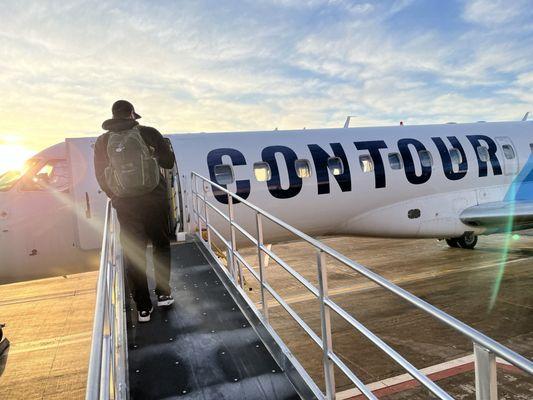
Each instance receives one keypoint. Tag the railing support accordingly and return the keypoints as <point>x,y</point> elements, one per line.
<point>486,380</point>
<point>262,272</point>
<point>235,266</point>
<point>95,363</point>
<point>107,366</point>
<point>229,262</point>
<point>325,322</point>
<point>196,207</point>
<point>206,215</point>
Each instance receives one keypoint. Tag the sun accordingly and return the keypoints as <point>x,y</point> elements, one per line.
<point>13,157</point>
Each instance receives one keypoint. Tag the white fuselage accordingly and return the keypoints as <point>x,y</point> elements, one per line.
<point>374,203</point>
<point>420,199</point>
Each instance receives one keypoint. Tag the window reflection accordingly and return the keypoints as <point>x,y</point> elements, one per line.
<point>335,165</point>
<point>366,163</point>
<point>262,171</point>
<point>10,178</point>
<point>53,175</point>
<point>303,169</point>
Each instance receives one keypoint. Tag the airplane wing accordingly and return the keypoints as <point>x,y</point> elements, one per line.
<point>516,207</point>
<point>500,214</point>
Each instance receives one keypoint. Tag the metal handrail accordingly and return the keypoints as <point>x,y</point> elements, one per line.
<point>106,378</point>
<point>485,348</point>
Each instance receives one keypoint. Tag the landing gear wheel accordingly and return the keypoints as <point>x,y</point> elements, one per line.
<point>467,241</point>
<point>452,242</point>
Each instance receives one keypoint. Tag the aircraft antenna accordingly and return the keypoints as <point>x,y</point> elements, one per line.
<point>347,123</point>
<point>525,116</point>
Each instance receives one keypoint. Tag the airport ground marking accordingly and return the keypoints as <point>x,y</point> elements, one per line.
<point>44,297</point>
<point>46,344</point>
<point>435,372</point>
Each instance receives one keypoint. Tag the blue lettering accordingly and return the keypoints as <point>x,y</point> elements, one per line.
<point>373,147</point>
<point>492,148</point>
<point>320,159</point>
<point>274,184</point>
<point>410,172</point>
<point>214,157</point>
<point>447,164</point>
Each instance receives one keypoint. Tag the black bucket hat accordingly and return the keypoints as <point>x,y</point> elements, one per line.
<point>123,109</point>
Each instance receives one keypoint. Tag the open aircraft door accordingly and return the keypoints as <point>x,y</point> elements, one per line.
<point>172,179</point>
<point>89,201</point>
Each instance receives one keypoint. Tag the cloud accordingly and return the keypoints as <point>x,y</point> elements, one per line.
<point>495,12</point>
<point>243,65</point>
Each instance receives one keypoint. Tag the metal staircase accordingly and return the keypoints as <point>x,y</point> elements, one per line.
<point>114,355</point>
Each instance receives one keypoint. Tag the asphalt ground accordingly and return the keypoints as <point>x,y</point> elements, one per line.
<point>49,324</point>
<point>489,288</point>
<point>49,321</point>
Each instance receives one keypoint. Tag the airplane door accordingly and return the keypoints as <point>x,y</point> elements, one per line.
<point>89,201</point>
<point>174,192</point>
<point>510,156</point>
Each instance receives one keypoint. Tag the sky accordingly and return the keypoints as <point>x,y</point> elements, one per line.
<point>206,66</point>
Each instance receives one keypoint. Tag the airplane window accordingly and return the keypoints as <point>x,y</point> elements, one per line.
<point>483,153</point>
<point>425,158</point>
<point>508,151</point>
<point>456,157</point>
<point>262,171</point>
<point>395,161</point>
<point>10,178</point>
<point>335,166</point>
<point>54,175</point>
<point>366,163</point>
<point>303,170</point>
<point>224,174</point>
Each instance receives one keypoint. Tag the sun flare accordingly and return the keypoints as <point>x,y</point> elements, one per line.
<point>13,156</point>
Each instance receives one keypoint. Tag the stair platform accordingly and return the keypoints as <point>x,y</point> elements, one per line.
<point>202,347</point>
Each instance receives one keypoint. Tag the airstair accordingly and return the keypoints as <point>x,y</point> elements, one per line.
<point>216,343</point>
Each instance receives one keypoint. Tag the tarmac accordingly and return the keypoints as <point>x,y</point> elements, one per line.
<point>49,321</point>
<point>49,324</point>
<point>463,283</point>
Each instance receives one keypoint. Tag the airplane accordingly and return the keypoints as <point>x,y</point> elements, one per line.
<point>448,181</point>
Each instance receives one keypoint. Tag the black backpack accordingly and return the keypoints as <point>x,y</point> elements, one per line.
<point>132,170</point>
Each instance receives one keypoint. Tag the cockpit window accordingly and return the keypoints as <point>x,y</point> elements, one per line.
<point>9,178</point>
<point>53,175</point>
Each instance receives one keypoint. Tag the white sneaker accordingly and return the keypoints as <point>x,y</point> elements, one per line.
<point>164,300</point>
<point>144,315</point>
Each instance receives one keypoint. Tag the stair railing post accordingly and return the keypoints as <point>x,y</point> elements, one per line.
<point>206,215</point>
<point>232,242</point>
<point>262,272</point>
<point>485,369</point>
<point>121,392</point>
<point>194,193</point>
<point>325,322</point>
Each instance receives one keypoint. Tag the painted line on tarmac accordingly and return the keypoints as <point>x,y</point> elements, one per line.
<point>435,372</point>
<point>51,296</point>
<point>360,287</point>
<point>46,344</point>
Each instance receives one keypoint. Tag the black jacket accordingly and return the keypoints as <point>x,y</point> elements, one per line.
<point>152,138</point>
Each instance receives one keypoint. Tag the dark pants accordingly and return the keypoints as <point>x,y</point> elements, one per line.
<point>143,220</point>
